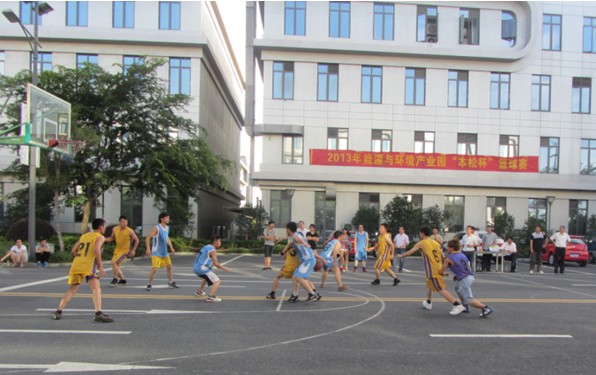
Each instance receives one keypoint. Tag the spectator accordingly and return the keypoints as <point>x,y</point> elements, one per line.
<point>345,249</point>
<point>312,237</point>
<point>488,240</point>
<point>302,230</point>
<point>18,254</point>
<point>469,243</point>
<point>401,242</point>
<point>436,236</point>
<point>42,254</point>
<point>561,239</point>
<point>270,239</point>
<point>511,248</point>
<point>536,248</point>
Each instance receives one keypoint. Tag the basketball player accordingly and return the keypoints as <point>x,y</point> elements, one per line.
<point>123,236</point>
<point>385,250</point>
<point>307,264</point>
<point>203,268</point>
<point>330,254</point>
<point>291,262</point>
<point>158,250</point>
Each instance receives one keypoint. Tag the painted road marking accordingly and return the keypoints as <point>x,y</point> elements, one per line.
<point>150,312</point>
<point>583,285</point>
<point>231,260</point>
<point>78,367</point>
<point>281,301</point>
<point>500,336</point>
<point>20,286</point>
<point>65,331</point>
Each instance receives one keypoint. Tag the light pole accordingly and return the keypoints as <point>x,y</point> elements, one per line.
<point>39,9</point>
<point>550,199</point>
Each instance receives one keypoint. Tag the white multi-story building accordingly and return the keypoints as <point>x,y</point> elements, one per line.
<point>477,107</point>
<point>200,62</point>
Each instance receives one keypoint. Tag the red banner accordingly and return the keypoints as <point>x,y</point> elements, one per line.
<point>349,158</point>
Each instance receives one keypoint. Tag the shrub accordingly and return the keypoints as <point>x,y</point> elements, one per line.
<point>61,257</point>
<point>20,230</point>
<point>368,217</point>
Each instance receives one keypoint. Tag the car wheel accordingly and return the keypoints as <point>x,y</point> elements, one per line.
<point>551,259</point>
<point>583,263</point>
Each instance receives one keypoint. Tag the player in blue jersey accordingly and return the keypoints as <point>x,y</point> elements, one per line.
<point>361,243</point>
<point>158,242</point>
<point>203,268</point>
<point>330,254</point>
<point>459,264</point>
<point>307,264</point>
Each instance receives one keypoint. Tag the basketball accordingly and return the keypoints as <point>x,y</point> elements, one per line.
<point>318,265</point>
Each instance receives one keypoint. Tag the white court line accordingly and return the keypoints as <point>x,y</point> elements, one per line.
<point>501,336</point>
<point>281,301</point>
<point>20,286</point>
<point>543,285</point>
<point>583,284</point>
<point>231,260</point>
<point>65,331</point>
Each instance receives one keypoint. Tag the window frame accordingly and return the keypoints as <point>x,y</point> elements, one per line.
<point>87,57</point>
<point>421,140</point>
<point>551,24</point>
<point>2,62</point>
<point>370,200</point>
<point>340,14</point>
<point>550,169</point>
<point>500,83</point>
<point>327,75</point>
<point>592,34</point>
<point>575,226</point>
<point>540,85</point>
<point>505,144</point>
<point>283,197</point>
<point>135,202</point>
<point>458,81</point>
<point>336,135</point>
<point>293,158</point>
<point>371,77</point>
<point>535,205</point>
<point>580,90</point>
<point>171,14</point>
<point>80,21</point>
<point>512,40</point>
<point>27,13</point>
<point>587,152</point>
<point>180,69</point>
<point>422,16</point>
<point>295,10</point>
<point>43,63</point>
<point>449,206</point>
<point>497,206</point>
<point>380,135</point>
<point>124,5</point>
<point>137,60</point>
<point>414,79</point>
<point>383,14</point>
<point>464,139</point>
<point>284,72</point>
<point>472,14</point>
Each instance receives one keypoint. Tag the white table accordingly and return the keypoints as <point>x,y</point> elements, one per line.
<point>499,255</point>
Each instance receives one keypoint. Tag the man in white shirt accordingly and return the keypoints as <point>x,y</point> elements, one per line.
<point>18,254</point>
<point>511,248</point>
<point>401,242</point>
<point>301,229</point>
<point>470,241</point>
<point>561,239</point>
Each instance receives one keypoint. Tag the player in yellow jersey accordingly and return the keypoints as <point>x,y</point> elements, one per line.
<point>123,236</point>
<point>291,262</point>
<point>432,257</point>
<point>85,267</point>
<point>385,251</point>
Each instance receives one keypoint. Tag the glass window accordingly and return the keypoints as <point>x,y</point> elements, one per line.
<point>415,86</point>
<point>537,208</point>
<point>578,216</point>
<point>85,58</point>
<point>494,206</point>
<point>381,140</point>
<point>549,155</point>
<point>581,92</point>
<point>499,90</point>
<point>292,150</point>
<point>372,84</point>
<point>123,14</point>
<point>551,32</point>
<point>467,144</point>
<point>337,138</point>
<point>179,76</point>
<point>76,13</point>
<point>328,82</point>
<point>324,211</point>
<point>509,146</point>
<point>280,206</point>
<point>283,80</point>
<point>2,62</point>
<point>415,199</point>
<point>458,88</point>
<point>589,34</point>
<point>339,19</point>
<point>131,206</point>
<point>295,18</point>
<point>372,200</point>
<point>383,21</point>
<point>427,20</point>
<point>424,142</point>
<point>588,157</point>
<point>508,28</point>
<point>540,93</point>
<point>469,26</point>
<point>44,61</point>
<point>27,13</point>
<point>169,15</point>
<point>128,61</point>
<point>454,213</point>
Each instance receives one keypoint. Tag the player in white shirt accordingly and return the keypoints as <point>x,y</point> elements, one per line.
<point>561,239</point>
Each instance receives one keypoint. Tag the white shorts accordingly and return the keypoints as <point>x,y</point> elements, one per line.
<point>210,277</point>
<point>21,254</point>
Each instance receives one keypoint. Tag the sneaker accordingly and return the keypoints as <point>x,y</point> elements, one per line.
<point>355,269</point>
<point>376,282</point>
<point>149,287</point>
<point>45,264</point>
<point>456,310</point>
<point>264,269</point>
<point>114,282</point>
<point>343,287</point>
<point>213,299</point>
<point>102,318</point>
<point>38,264</point>
<point>396,281</point>
<point>312,297</point>
<point>57,315</point>
<point>271,296</point>
<point>531,271</point>
<point>486,311</point>
<point>318,296</point>
<point>466,309</point>
<point>541,271</point>
<point>363,269</point>
<point>199,293</point>
<point>122,282</point>
<point>173,285</point>
<point>293,299</point>
<point>427,306</point>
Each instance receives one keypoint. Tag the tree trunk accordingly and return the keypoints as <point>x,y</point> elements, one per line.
<point>86,214</point>
<point>57,224</point>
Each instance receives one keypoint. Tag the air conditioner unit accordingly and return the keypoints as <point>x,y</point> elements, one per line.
<point>431,28</point>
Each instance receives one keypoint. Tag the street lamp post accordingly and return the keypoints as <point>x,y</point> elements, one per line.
<point>550,199</point>
<point>39,9</point>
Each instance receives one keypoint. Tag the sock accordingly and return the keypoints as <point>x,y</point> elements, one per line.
<point>455,303</point>
<point>59,311</point>
<point>428,301</point>
<point>98,313</point>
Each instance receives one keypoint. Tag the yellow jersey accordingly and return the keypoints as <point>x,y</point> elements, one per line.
<point>384,257</point>
<point>432,257</point>
<point>122,238</point>
<point>84,261</point>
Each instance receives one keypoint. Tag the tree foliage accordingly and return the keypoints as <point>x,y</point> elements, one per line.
<point>433,217</point>
<point>16,205</point>
<point>251,222</point>
<point>531,224</point>
<point>504,224</point>
<point>400,212</point>
<point>368,217</point>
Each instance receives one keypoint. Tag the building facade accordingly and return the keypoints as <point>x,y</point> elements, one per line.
<point>477,107</point>
<point>200,61</point>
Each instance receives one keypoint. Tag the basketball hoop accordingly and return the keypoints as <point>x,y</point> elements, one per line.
<point>70,147</point>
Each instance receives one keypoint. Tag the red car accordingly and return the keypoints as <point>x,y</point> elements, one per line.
<point>577,252</point>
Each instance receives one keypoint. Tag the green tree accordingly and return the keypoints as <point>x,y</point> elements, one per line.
<point>433,217</point>
<point>368,217</point>
<point>531,224</point>
<point>16,205</point>
<point>251,221</point>
<point>504,224</point>
<point>400,212</point>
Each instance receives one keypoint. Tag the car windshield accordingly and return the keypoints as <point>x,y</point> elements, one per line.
<point>577,241</point>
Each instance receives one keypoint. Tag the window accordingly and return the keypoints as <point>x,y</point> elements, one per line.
<point>131,206</point>
<point>372,84</point>
<point>582,88</point>
<point>169,15</point>
<point>129,61</point>
<point>295,18</point>
<point>179,76</point>
<point>415,199</point>
<point>427,28</point>
<point>589,34</point>
<point>328,82</point>
<point>381,140</point>
<point>27,13</point>
<point>383,21</point>
<point>540,93</point>
<point>339,19</point>
<point>588,157</point>
<point>44,61</point>
<point>578,216</point>
<point>415,86</point>
<point>123,14</point>
<point>458,88</point>
<point>280,206</point>
<point>508,28</point>
<point>551,32</point>
<point>370,200</point>
<point>424,142</point>
<point>76,13</point>
<point>549,155</point>
<point>283,80</point>
<point>84,58</point>
<point>495,206</point>
<point>509,146</point>
<point>454,213</point>
<point>499,90</point>
<point>337,139</point>
<point>2,62</point>
<point>537,208</point>
<point>324,211</point>
<point>469,26</point>
<point>292,149</point>
<point>467,143</point>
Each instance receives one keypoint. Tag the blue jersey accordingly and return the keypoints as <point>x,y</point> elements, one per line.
<point>160,242</point>
<point>203,262</point>
<point>328,251</point>
<point>461,266</point>
<point>304,252</point>
<point>361,241</point>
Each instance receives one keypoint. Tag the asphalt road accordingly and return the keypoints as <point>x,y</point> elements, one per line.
<point>543,324</point>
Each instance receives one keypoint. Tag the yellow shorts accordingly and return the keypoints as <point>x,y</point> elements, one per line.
<point>78,278</point>
<point>383,265</point>
<point>119,257</point>
<point>436,284</point>
<point>158,262</point>
<point>287,272</point>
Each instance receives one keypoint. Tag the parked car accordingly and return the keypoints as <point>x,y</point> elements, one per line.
<point>590,240</point>
<point>577,252</point>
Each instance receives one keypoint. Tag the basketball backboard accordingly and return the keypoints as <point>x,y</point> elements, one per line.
<point>49,119</point>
